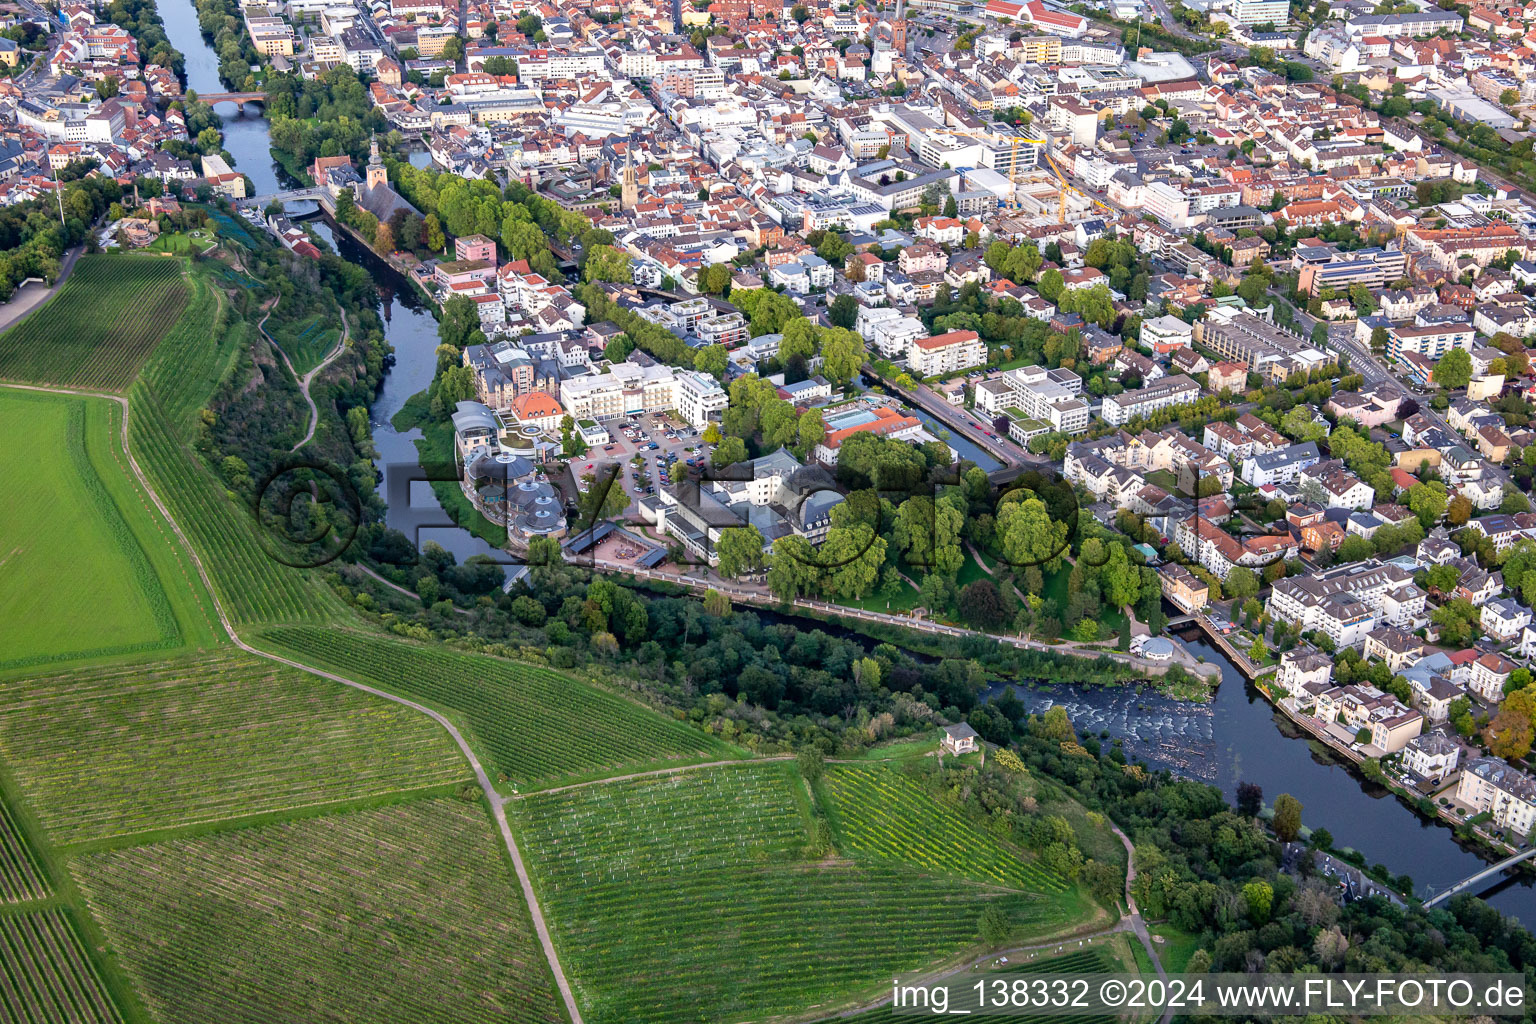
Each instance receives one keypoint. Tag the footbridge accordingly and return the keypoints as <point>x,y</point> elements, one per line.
<point>231,97</point>
<point>290,196</point>
<point>1472,880</point>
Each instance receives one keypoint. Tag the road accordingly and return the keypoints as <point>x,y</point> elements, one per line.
<point>23,303</point>
<point>492,798</point>
<point>1341,337</point>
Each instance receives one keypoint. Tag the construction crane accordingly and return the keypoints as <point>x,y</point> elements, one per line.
<point>1063,181</point>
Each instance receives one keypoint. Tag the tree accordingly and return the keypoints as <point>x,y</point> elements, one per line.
<point>716,604</point>
<point>1287,822</point>
<point>1028,534</point>
<point>981,604</point>
<point>461,318</point>
<point>605,263</point>
<point>432,233</point>
<point>842,353</point>
<point>740,550</point>
<point>1355,548</point>
<point>1458,511</point>
<point>993,925</point>
<point>1241,583</point>
<point>1250,798</point>
<point>810,763</point>
<point>1510,733</point>
<point>715,279</point>
<point>1427,501</point>
<point>1051,285</point>
<point>1454,369</point>
<point>712,359</point>
<point>1260,898</point>
<point>1509,97</point>
<point>1319,334</point>
<point>844,311</point>
<point>730,450</point>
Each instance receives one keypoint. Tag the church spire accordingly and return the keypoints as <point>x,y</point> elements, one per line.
<point>629,191</point>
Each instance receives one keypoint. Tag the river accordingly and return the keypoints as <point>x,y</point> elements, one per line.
<point>408,324</point>
<point>1240,737</point>
<point>1237,737</point>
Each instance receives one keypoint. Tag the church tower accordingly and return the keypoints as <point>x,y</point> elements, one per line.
<point>629,192</point>
<point>377,175</point>
<point>899,28</point>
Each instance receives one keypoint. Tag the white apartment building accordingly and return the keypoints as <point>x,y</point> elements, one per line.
<point>1166,203</point>
<point>700,398</point>
<point>1261,12</point>
<point>945,353</point>
<point>1048,397</point>
<point>627,389</point>
<point>1509,795</point>
<point>1349,601</point>
<point>1431,756</point>
<point>887,330</point>
<point>1166,393</point>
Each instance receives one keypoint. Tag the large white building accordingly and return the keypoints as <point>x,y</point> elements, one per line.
<point>945,353</point>
<point>627,389</point>
<point>1349,601</point>
<point>889,331</point>
<point>1261,12</point>
<point>1509,795</point>
<point>700,398</point>
<point>1163,394</point>
<point>1037,400</point>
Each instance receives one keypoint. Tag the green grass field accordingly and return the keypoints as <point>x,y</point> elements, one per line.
<point>115,583</point>
<point>878,812</point>
<point>133,748</point>
<point>98,330</point>
<point>537,726</point>
<point>45,977</point>
<point>690,897</point>
<point>398,914</point>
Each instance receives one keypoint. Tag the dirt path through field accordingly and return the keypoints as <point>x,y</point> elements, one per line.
<point>492,798</point>
<point>304,381</point>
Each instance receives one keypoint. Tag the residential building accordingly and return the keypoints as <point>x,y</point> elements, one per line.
<point>1432,756</point>
<point>1162,394</point>
<point>1349,601</point>
<point>945,353</point>
<point>1507,794</point>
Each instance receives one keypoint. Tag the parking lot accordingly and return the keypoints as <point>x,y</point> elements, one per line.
<point>646,436</point>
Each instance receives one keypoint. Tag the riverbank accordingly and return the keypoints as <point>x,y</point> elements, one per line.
<point>741,594</point>
<point>1467,828</point>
